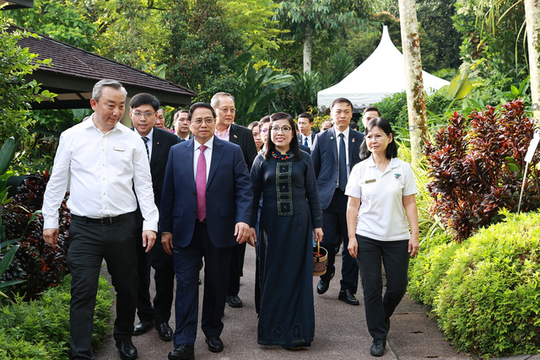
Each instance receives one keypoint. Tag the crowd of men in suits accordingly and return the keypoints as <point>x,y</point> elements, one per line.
<point>199,180</point>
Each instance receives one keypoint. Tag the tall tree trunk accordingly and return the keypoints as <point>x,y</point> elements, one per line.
<point>308,44</point>
<point>416,102</point>
<point>532,16</point>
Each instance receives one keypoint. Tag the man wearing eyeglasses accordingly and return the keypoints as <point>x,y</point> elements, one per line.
<point>205,211</point>
<point>144,111</point>
<point>223,104</point>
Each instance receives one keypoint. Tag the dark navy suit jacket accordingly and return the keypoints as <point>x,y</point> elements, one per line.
<point>325,161</point>
<point>243,137</point>
<point>228,194</point>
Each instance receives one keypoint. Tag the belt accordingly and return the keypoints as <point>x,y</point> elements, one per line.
<point>101,221</point>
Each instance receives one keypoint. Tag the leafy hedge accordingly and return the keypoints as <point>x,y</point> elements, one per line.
<point>39,329</point>
<point>486,291</point>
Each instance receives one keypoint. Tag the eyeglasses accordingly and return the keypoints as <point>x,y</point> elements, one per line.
<point>146,114</point>
<point>283,128</point>
<point>199,122</point>
<point>226,110</point>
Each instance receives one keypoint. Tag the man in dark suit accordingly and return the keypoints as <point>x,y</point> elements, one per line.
<point>223,104</point>
<point>158,143</point>
<point>306,137</point>
<point>205,211</point>
<point>181,125</point>
<point>332,169</point>
<point>369,113</point>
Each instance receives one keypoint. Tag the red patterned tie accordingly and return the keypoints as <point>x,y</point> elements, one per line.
<point>200,184</point>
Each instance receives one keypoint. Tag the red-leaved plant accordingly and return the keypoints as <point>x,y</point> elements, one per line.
<point>476,168</point>
<point>37,263</point>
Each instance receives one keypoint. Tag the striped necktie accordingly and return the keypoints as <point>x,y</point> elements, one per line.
<point>145,139</point>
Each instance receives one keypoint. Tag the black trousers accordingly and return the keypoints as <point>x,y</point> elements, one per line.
<point>162,263</point>
<point>90,243</point>
<point>334,219</point>
<point>187,263</point>
<point>236,269</point>
<point>395,257</point>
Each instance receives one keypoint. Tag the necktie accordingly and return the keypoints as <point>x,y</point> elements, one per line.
<point>342,164</point>
<point>200,184</point>
<point>145,139</point>
<point>305,141</point>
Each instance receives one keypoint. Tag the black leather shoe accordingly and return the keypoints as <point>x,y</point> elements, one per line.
<point>377,349</point>
<point>165,332</point>
<point>322,286</point>
<point>182,352</point>
<point>127,350</point>
<point>347,296</point>
<point>234,301</point>
<point>143,327</point>
<point>214,344</point>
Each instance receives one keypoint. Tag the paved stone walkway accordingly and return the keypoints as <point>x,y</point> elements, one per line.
<point>340,332</point>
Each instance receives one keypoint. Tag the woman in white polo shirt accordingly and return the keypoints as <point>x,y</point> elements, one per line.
<point>381,192</point>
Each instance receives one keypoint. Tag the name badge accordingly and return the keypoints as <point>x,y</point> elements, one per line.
<point>371,181</point>
<point>118,149</point>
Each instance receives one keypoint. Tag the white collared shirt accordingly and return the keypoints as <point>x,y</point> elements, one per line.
<point>149,143</point>
<point>302,140</point>
<point>381,215</point>
<point>207,156</point>
<point>107,175</point>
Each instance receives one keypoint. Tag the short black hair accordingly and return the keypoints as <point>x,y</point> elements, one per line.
<point>341,100</point>
<point>195,106</point>
<point>307,116</point>
<point>384,125</point>
<point>372,108</point>
<point>144,99</point>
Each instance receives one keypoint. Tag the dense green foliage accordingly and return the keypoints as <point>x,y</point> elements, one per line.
<point>485,292</point>
<point>39,329</point>
<point>16,92</point>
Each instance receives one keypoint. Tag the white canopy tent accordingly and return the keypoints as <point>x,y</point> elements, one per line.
<point>380,75</point>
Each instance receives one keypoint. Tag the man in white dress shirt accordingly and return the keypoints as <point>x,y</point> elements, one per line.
<point>106,167</point>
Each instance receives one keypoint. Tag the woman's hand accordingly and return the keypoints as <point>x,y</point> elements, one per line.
<point>353,247</point>
<point>252,237</point>
<point>318,234</point>
<point>414,245</point>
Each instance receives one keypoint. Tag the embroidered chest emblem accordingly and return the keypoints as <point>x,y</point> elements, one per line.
<point>397,175</point>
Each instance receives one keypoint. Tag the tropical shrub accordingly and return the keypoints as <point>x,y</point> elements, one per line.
<point>394,109</point>
<point>489,300</point>
<point>303,92</point>
<point>476,168</point>
<point>40,265</point>
<point>428,269</point>
<point>39,329</point>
